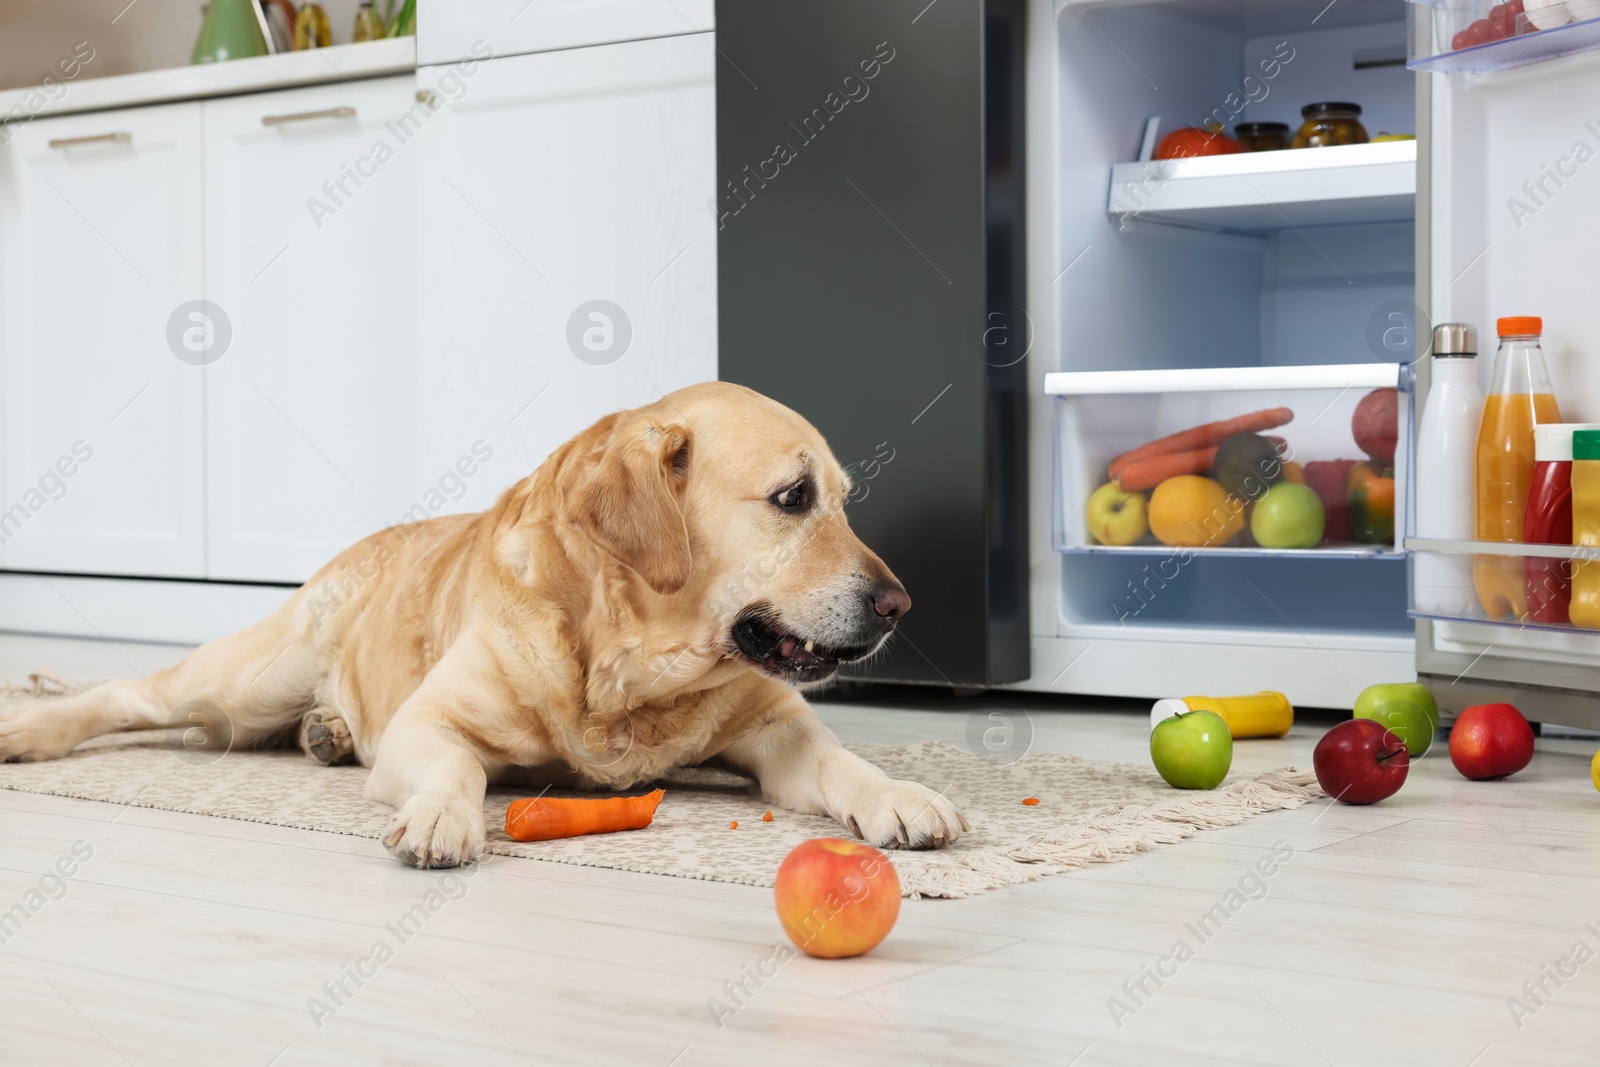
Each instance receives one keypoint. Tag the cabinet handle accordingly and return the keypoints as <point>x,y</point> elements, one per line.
<point>99,138</point>
<point>307,116</point>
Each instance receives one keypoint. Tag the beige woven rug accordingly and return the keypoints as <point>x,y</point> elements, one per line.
<point>1088,812</point>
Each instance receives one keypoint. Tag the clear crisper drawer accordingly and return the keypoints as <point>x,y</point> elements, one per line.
<point>1479,36</point>
<point>1219,490</point>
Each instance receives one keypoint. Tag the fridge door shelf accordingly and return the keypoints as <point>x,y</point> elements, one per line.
<point>1436,24</point>
<point>1554,565</point>
<point>1102,414</point>
<point>1350,550</point>
<point>1253,192</point>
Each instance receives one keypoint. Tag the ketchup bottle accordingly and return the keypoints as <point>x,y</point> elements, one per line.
<point>1548,521</point>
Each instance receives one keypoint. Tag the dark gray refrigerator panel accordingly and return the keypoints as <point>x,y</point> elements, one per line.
<point>871,275</point>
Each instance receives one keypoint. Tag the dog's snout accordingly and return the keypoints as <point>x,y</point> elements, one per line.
<point>890,602</point>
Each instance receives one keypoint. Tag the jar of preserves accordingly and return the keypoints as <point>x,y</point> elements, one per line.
<point>1330,123</point>
<point>1262,136</point>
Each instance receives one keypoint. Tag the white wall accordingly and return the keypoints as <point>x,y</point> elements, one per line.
<point>148,35</point>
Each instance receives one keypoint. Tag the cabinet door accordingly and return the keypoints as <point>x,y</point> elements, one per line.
<point>450,30</point>
<point>102,423</point>
<point>568,251</point>
<point>311,254</point>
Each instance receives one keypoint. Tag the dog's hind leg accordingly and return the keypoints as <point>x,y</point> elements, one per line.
<point>231,693</point>
<point>325,737</point>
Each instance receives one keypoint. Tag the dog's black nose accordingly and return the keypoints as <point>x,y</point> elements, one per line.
<point>891,602</point>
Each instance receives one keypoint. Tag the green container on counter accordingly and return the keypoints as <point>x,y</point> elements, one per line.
<point>230,31</point>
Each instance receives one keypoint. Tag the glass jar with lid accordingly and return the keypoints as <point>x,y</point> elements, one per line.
<point>1262,136</point>
<point>1330,123</point>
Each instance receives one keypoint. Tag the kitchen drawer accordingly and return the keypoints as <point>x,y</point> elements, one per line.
<point>1101,415</point>
<point>449,30</point>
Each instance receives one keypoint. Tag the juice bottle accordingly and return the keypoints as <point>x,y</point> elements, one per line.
<point>1585,608</point>
<point>1520,396</point>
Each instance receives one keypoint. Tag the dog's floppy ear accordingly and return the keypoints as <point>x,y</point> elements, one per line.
<point>629,503</point>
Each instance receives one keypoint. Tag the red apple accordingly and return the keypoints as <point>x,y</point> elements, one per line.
<point>1376,425</point>
<point>836,898</point>
<point>1491,741</point>
<point>1360,762</point>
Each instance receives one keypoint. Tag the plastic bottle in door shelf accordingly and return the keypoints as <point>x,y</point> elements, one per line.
<point>1548,520</point>
<point>1446,440</point>
<point>1585,609</point>
<point>1520,397</point>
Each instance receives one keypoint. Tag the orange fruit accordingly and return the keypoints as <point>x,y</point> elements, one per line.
<point>1194,512</point>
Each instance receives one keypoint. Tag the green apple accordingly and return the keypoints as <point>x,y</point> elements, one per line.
<point>1192,750</point>
<point>1288,515</point>
<point>1116,516</point>
<point>1406,708</point>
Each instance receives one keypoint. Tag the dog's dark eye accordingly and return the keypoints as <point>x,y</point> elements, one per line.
<point>795,499</point>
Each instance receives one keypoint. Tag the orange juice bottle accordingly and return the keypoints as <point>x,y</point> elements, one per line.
<point>1519,397</point>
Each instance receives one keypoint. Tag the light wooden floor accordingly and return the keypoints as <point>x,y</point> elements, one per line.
<point>1394,934</point>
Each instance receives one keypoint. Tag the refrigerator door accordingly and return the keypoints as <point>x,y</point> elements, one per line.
<point>1509,218</point>
<point>870,261</point>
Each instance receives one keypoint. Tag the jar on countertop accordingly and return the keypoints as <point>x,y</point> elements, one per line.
<point>1330,123</point>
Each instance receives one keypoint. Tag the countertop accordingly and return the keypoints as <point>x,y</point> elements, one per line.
<point>282,71</point>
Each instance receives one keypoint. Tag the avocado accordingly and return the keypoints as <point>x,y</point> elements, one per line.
<point>1247,464</point>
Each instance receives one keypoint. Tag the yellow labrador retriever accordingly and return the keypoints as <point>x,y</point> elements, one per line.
<point>651,597</point>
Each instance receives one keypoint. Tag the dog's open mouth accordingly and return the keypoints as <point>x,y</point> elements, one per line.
<point>789,656</point>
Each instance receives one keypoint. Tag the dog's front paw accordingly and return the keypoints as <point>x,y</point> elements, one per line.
<point>430,831</point>
<point>35,733</point>
<point>896,814</point>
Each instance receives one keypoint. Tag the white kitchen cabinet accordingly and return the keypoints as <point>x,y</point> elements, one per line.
<point>449,30</point>
<point>310,243</point>
<point>549,182</point>
<point>101,446</point>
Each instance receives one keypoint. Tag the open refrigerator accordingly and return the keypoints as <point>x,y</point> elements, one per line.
<point>1163,296</point>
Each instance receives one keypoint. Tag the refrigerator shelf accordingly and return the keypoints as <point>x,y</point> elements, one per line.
<point>1452,547</point>
<point>1340,551</point>
<point>1477,618</point>
<point>1434,25</point>
<point>1255,192</point>
<point>1457,600</point>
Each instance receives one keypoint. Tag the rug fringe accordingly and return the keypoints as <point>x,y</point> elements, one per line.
<point>41,683</point>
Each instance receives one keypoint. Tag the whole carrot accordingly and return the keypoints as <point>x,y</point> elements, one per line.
<point>549,818</point>
<point>1212,433</point>
<point>1151,471</point>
